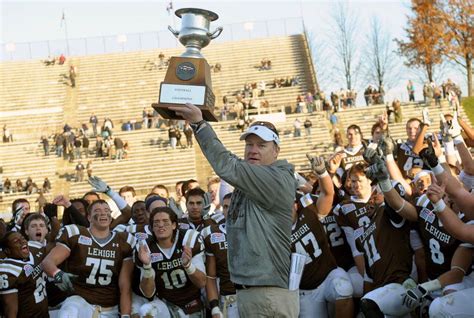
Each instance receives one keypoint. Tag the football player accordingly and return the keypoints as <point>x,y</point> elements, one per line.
<point>195,206</point>
<point>215,242</point>
<point>99,262</point>
<point>22,280</point>
<point>322,282</point>
<point>172,265</point>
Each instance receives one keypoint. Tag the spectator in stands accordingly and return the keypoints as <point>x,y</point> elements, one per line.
<point>7,135</point>
<point>188,132</point>
<point>150,116</point>
<point>77,148</point>
<point>79,171</point>
<point>262,86</point>
<point>89,168</point>
<point>108,125</point>
<point>172,136</point>
<point>46,185</point>
<point>145,118</point>
<point>161,58</point>
<point>309,100</point>
<point>334,121</point>
<point>62,59</point>
<point>49,61</point>
<point>45,142</point>
<point>118,143</point>
<point>7,186</point>
<point>411,91</point>
<point>307,127</point>
<point>99,144</point>
<point>297,128</point>
<point>397,110</point>
<point>93,121</point>
<point>427,93</point>
<point>85,145</point>
<point>72,75</point>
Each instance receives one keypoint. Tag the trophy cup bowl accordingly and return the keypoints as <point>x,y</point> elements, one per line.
<point>194,33</point>
<point>188,78</point>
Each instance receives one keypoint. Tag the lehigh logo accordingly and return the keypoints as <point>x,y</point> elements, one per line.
<point>185,71</point>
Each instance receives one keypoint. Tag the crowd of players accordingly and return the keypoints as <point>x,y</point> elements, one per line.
<point>385,227</point>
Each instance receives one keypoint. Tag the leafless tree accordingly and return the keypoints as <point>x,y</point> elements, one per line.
<point>381,63</point>
<point>344,43</point>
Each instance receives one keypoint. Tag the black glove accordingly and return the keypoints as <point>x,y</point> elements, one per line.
<point>378,170</point>
<point>369,155</point>
<point>428,155</point>
<point>51,210</point>
<point>64,281</point>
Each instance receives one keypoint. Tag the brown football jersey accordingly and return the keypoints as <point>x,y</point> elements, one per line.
<point>308,238</point>
<point>27,279</point>
<point>337,241</point>
<point>215,243</point>
<point>207,220</point>
<point>97,264</point>
<point>352,157</point>
<point>438,244</point>
<point>407,160</point>
<point>171,280</point>
<point>386,248</point>
<point>352,212</point>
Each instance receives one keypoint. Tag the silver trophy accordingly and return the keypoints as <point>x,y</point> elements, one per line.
<point>194,33</point>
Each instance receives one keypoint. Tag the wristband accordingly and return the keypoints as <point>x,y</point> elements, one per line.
<point>431,285</point>
<point>121,203</point>
<point>439,206</point>
<point>385,185</point>
<point>458,140</point>
<point>196,126</point>
<point>324,174</point>
<point>124,316</point>
<point>390,157</point>
<point>148,272</point>
<point>190,269</point>
<point>216,311</point>
<point>438,169</point>
<point>442,159</point>
<point>146,266</point>
<point>214,303</point>
<point>401,208</point>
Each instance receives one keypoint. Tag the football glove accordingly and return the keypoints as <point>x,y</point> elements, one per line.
<point>64,281</point>
<point>317,164</point>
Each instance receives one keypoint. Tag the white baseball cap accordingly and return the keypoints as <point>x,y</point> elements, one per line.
<point>264,130</point>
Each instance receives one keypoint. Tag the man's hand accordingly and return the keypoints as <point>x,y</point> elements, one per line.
<point>64,281</point>
<point>454,129</point>
<point>317,164</point>
<point>98,184</point>
<point>61,200</point>
<point>378,169</point>
<point>186,256</point>
<point>51,210</point>
<point>335,162</point>
<point>435,192</point>
<point>189,112</point>
<point>144,254</point>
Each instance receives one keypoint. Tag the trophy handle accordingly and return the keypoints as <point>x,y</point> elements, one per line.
<point>215,34</point>
<point>175,33</point>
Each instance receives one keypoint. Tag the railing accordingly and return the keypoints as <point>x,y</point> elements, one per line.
<point>143,41</point>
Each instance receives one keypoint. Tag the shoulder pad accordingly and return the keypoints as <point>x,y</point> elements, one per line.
<point>35,244</point>
<point>129,238</point>
<point>71,229</point>
<point>206,231</point>
<point>9,268</point>
<point>218,217</point>
<point>190,238</point>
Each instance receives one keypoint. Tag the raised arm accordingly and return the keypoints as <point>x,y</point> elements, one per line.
<point>326,196</point>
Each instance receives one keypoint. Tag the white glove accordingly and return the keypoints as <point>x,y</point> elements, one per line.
<point>98,184</point>
<point>454,129</point>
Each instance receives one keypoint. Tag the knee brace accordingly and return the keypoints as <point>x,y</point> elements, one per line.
<point>343,287</point>
<point>370,309</point>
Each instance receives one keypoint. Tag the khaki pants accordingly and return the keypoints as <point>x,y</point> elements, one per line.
<point>268,302</point>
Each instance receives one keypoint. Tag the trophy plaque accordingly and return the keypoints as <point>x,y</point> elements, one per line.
<point>188,78</point>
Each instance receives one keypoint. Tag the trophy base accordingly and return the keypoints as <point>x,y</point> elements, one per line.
<point>165,112</point>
